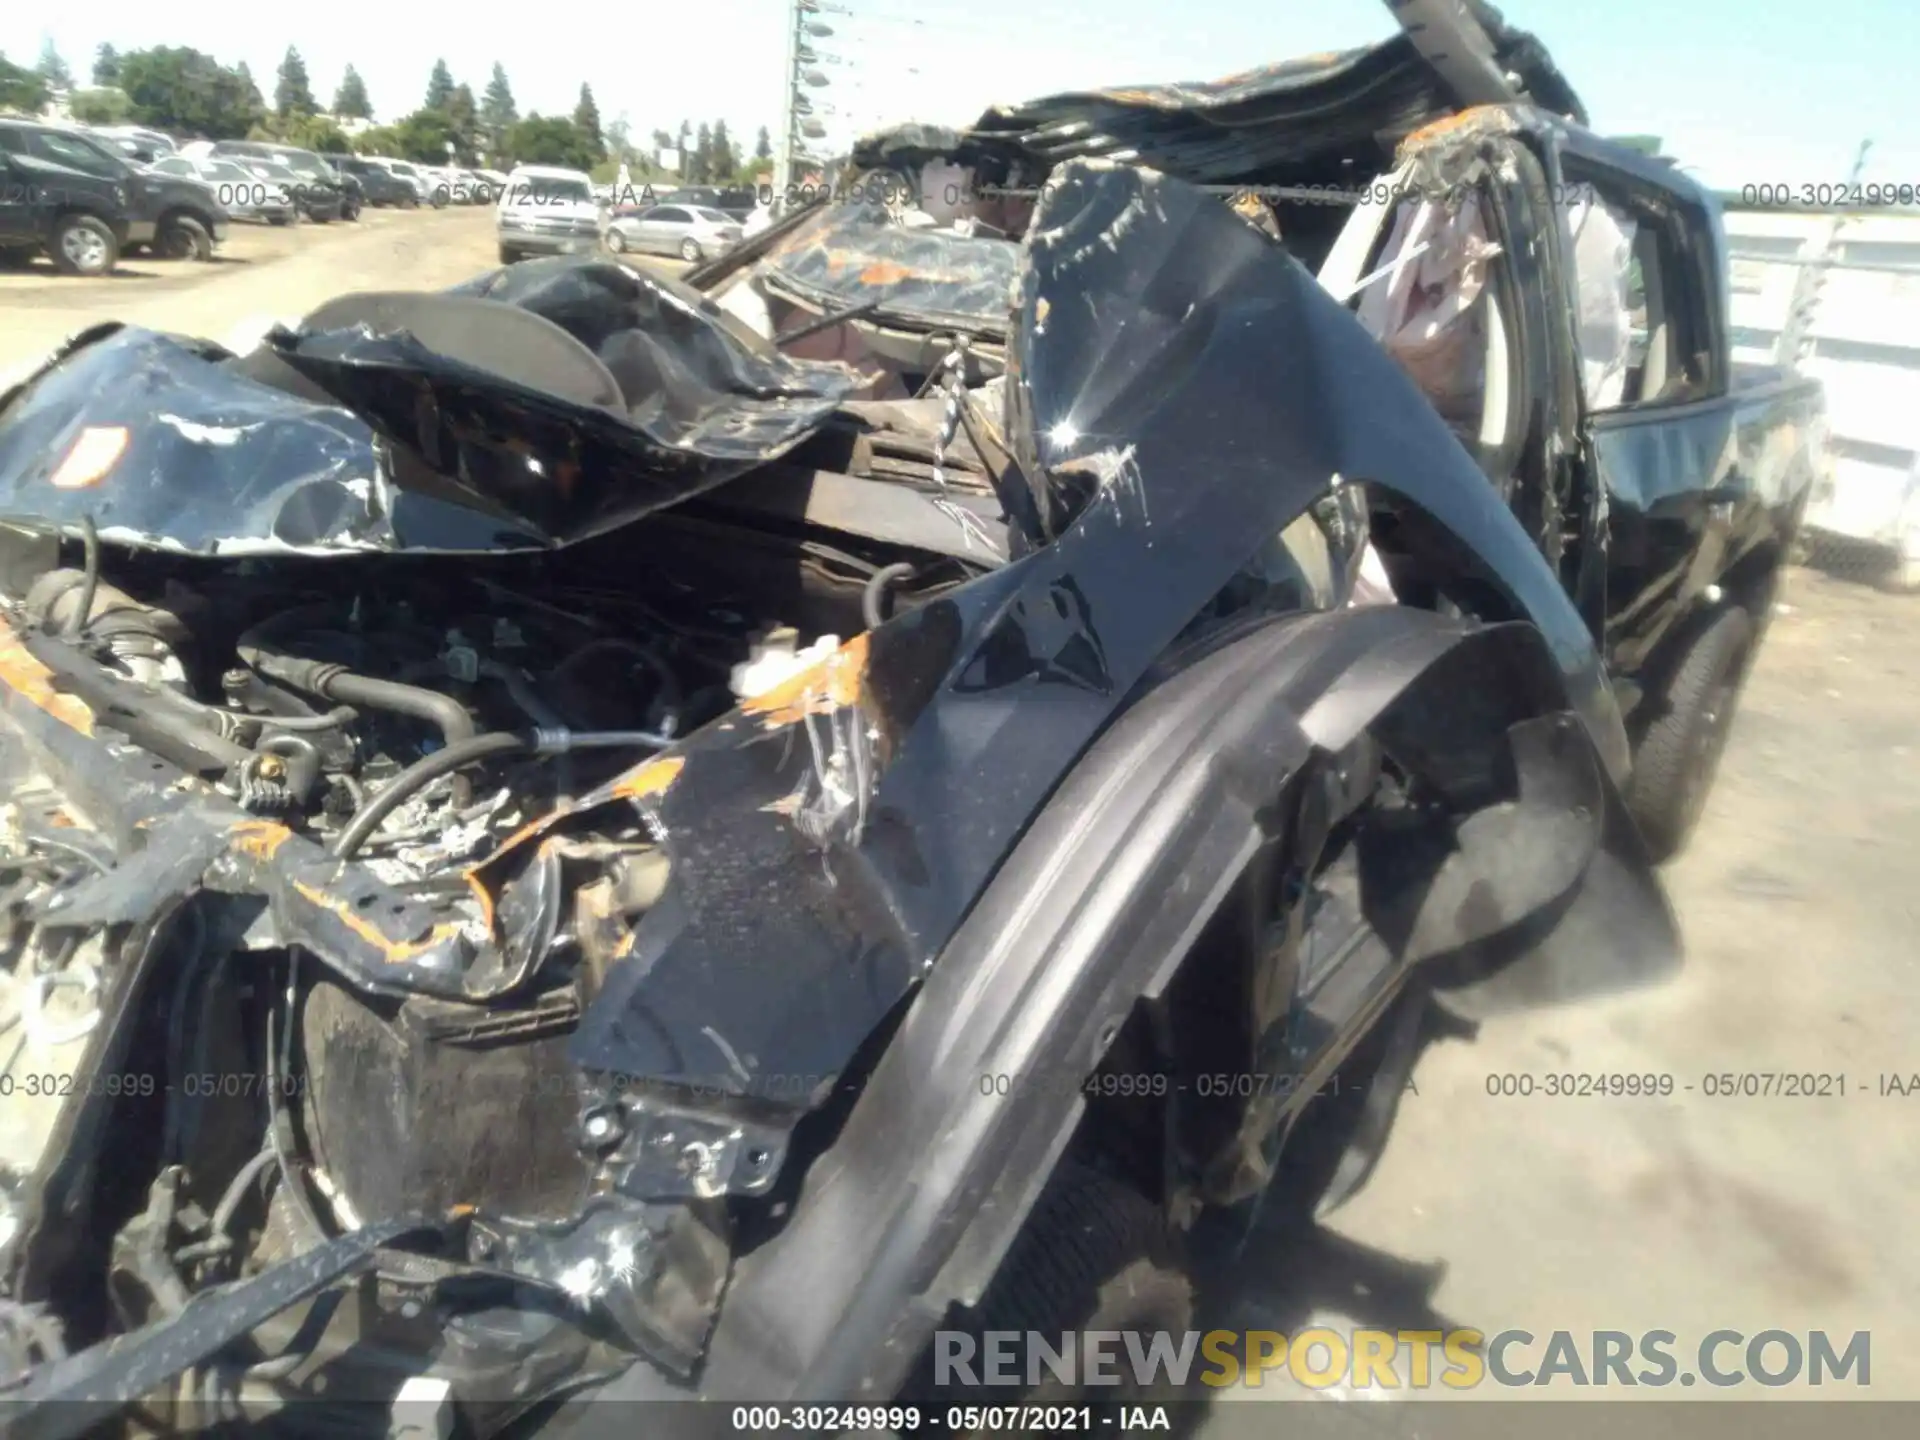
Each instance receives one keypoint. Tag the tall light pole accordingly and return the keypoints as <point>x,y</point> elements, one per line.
<point>789,99</point>
<point>800,75</point>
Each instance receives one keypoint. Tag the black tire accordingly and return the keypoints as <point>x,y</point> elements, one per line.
<point>181,237</point>
<point>616,242</point>
<point>1094,1254</point>
<point>1679,753</point>
<point>507,256</point>
<point>350,212</point>
<point>82,245</point>
<point>690,251</point>
<point>440,197</point>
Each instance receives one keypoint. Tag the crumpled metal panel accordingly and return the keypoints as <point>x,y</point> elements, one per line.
<point>853,254</point>
<point>703,405</point>
<point>1245,127</point>
<point>188,455</point>
<point>165,443</point>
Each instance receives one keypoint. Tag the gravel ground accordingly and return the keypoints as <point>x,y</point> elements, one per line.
<point>1686,1213</point>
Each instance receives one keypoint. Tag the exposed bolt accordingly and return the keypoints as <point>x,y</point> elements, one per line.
<point>600,1127</point>
<point>269,767</point>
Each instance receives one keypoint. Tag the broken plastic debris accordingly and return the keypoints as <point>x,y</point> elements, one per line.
<point>775,660</point>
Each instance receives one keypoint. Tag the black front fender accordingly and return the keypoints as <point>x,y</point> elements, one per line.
<point>932,1175</point>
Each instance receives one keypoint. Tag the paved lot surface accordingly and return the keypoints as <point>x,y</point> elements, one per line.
<point>1688,1213</point>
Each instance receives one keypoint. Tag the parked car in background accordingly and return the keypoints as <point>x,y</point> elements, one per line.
<point>180,218</point>
<point>734,201</point>
<point>319,193</point>
<point>693,232</point>
<point>377,183</point>
<point>477,188</point>
<point>424,187</point>
<point>156,140</point>
<point>79,219</point>
<point>546,210</point>
<point>246,196</point>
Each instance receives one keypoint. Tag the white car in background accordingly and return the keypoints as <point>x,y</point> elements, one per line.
<point>547,210</point>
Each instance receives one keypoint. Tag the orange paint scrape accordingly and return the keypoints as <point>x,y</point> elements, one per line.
<point>393,953</point>
<point>259,839</point>
<point>28,678</point>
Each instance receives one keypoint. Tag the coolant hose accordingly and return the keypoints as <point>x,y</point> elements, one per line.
<point>427,769</point>
<point>873,600</point>
<point>341,685</point>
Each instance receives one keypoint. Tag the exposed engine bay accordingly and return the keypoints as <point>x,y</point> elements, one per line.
<point>410,716</point>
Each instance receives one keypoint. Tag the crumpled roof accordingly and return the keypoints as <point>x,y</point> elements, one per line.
<point>1286,116</point>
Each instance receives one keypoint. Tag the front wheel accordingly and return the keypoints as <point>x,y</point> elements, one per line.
<point>182,237</point>
<point>616,242</point>
<point>508,256</point>
<point>1094,1254</point>
<point>690,251</point>
<point>350,212</point>
<point>1679,754</point>
<point>83,245</point>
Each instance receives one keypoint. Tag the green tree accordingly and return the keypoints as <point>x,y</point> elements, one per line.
<point>439,88</point>
<point>350,101</point>
<point>763,147</point>
<point>701,168</point>
<point>106,66</point>
<point>463,117</point>
<point>423,136</point>
<point>378,140</point>
<point>619,138</point>
<point>309,132</point>
<point>256,103</point>
<point>539,140</point>
<point>722,159</point>
<point>292,94</point>
<point>181,89</point>
<point>102,106</point>
<point>586,119</point>
<point>21,89</point>
<point>498,114</point>
<point>51,68</point>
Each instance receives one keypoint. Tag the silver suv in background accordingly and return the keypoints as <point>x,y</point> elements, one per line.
<point>693,232</point>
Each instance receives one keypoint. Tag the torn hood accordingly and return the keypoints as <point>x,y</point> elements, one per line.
<point>532,407</point>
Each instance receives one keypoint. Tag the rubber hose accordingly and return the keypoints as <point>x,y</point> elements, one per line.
<point>873,598</point>
<point>426,770</point>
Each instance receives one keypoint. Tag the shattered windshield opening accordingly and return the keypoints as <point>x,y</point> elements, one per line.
<point>857,254</point>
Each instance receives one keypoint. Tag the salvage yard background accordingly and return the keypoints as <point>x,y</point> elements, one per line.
<point>1797,898</point>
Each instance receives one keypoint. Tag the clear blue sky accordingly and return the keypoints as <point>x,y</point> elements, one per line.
<point>1769,90</point>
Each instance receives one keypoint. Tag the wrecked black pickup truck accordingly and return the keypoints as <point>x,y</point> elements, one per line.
<point>592,836</point>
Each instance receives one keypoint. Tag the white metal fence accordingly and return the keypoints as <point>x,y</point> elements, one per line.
<point>1857,292</point>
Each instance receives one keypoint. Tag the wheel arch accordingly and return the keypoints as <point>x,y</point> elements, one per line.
<point>915,1204</point>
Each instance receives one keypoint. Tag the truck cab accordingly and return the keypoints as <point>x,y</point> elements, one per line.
<point>1562,302</point>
